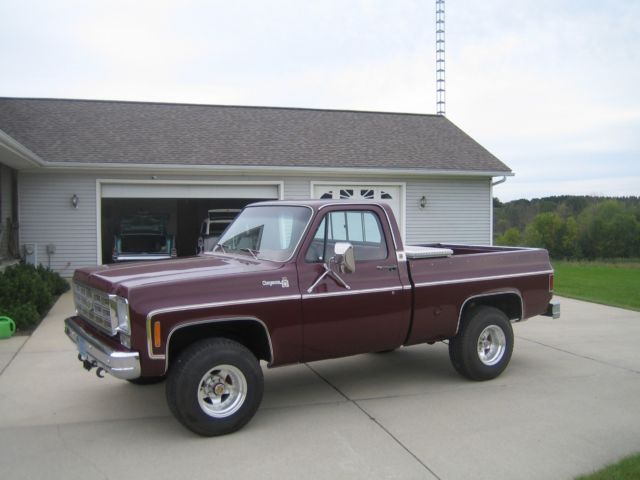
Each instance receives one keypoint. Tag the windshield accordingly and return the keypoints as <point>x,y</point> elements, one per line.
<point>268,233</point>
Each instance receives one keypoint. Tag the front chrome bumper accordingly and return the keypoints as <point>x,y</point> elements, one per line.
<point>120,364</point>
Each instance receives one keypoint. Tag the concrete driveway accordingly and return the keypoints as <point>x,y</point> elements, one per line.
<point>568,403</point>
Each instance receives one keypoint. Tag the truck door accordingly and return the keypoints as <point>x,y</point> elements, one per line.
<point>373,313</point>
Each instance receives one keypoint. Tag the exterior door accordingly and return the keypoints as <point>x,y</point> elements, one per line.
<point>373,313</point>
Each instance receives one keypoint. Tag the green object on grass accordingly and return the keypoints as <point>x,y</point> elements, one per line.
<point>7,327</point>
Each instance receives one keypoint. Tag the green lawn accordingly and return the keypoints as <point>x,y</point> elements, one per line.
<point>616,284</point>
<point>626,469</point>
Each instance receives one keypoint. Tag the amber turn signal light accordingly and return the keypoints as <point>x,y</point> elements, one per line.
<point>157,337</point>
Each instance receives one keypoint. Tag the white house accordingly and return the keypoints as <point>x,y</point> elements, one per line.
<point>70,169</point>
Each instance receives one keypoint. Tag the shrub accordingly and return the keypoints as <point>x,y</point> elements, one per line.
<point>55,283</point>
<point>26,316</point>
<point>27,293</point>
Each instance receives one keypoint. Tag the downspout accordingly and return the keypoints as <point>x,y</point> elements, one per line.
<point>498,182</point>
<point>493,184</point>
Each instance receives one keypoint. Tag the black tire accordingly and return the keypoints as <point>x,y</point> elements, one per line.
<point>146,380</point>
<point>215,387</point>
<point>484,361</point>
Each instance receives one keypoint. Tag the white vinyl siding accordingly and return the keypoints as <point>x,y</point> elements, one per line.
<point>296,188</point>
<point>46,216</point>
<point>458,209</point>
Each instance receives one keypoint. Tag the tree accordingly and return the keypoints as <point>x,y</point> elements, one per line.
<point>609,230</point>
<point>511,237</point>
<point>545,231</point>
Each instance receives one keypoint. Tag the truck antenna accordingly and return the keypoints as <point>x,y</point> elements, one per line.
<point>440,87</point>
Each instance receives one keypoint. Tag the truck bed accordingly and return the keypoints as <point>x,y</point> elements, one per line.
<point>445,284</point>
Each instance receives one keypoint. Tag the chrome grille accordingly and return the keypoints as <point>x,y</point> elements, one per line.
<point>95,306</point>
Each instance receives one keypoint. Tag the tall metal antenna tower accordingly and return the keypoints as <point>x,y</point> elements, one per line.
<point>440,87</point>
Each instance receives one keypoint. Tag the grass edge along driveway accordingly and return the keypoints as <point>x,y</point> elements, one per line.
<point>608,283</point>
<point>626,469</point>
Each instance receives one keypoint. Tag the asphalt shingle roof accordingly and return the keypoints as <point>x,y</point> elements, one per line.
<point>99,132</point>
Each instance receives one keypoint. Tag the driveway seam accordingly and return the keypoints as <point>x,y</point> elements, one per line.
<point>15,354</point>
<point>374,420</point>
<point>602,362</point>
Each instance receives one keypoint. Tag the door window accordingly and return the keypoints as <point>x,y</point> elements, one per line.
<point>359,227</point>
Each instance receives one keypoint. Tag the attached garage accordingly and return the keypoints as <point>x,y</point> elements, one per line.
<point>80,166</point>
<point>184,204</point>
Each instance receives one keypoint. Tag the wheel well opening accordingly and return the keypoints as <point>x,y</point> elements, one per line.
<point>249,333</point>
<point>509,303</point>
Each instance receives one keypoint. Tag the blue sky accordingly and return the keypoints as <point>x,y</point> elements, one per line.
<point>550,87</point>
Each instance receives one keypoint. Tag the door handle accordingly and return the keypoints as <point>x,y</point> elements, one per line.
<point>391,268</point>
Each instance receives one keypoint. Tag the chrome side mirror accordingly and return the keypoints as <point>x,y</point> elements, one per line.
<point>344,257</point>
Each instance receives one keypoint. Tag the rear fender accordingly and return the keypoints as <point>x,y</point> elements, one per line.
<point>508,301</point>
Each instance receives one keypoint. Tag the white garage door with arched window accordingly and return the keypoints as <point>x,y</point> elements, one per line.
<point>391,193</point>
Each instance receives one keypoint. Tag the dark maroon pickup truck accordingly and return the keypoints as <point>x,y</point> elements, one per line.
<point>292,282</point>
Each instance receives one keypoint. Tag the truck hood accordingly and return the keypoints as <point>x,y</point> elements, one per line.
<point>121,278</point>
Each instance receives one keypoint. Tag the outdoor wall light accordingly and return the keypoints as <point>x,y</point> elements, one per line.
<point>74,201</point>
<point>423,201</point>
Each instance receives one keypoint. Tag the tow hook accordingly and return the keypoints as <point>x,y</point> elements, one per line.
<point>89,364</point>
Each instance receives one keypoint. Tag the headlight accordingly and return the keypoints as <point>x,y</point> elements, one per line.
<point>120,321</point>
<point>122,309</point>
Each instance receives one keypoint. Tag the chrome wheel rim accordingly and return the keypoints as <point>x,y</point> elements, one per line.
<point>492,343</point>
<point>222,391</point>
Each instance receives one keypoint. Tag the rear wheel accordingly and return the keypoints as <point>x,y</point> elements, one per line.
<point>483,347</point>
<point>215,387</point>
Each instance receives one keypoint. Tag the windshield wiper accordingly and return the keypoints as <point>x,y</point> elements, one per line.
<point>221,247</point>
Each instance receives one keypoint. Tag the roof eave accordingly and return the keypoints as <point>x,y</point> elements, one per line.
<point>17,156</point>
<point>266,170</point>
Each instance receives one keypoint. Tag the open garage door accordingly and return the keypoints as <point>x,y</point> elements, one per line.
<point>163,190</point>
<point>183,205</point>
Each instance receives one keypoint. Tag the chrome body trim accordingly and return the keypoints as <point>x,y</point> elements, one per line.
<point>353,292</point>
<point>221,320</point>
<point>482,279</point>
<point>493,248</point>
<point>127,257</point>
<point>185,308</point>
<point>492,294</point>
<point>120,364</point>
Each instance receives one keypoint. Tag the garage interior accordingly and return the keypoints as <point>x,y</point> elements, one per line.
<point>185,217</point>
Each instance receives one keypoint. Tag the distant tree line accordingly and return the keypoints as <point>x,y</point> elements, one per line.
<point>571,227</point>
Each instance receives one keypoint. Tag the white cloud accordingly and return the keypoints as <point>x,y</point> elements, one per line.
<point>549,86</point>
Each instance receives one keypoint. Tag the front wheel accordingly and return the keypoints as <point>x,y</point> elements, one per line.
<point>215,387</point>
<point>482,348</point>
